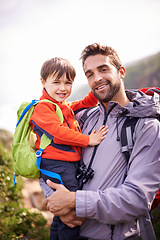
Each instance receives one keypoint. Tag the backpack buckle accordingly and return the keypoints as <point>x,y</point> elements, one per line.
<point>39,152</point>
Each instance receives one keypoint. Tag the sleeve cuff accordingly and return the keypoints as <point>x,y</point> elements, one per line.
<point>81,203</point>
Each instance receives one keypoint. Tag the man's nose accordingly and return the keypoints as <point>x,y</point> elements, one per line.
<point>97,77</point>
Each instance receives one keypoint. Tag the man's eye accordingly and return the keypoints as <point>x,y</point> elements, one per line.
<point>89,75</point>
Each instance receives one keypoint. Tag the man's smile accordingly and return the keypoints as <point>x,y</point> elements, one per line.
<point>102,86</point>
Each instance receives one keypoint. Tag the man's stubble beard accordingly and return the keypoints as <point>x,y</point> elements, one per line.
<point>110,93</point>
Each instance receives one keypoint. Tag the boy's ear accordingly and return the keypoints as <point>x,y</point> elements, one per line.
<point>42,81</point>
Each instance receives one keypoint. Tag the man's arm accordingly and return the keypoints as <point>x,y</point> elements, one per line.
<point>89,101</point>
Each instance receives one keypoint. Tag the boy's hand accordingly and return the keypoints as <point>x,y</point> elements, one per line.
<point>97,137</point>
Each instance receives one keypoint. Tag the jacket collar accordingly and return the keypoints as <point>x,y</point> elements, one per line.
<point>140,105</point>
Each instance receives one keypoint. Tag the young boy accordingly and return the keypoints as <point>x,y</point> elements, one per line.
<point>63,154</point>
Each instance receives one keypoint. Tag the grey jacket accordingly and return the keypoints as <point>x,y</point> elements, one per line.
<point>107,199</point>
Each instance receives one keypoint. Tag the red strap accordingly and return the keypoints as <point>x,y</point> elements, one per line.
<point>150,90</point>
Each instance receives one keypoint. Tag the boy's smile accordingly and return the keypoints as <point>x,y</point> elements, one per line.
<point>58,89</point>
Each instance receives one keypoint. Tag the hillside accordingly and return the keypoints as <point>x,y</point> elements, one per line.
<point>140,74</point>
<point>144,73</point>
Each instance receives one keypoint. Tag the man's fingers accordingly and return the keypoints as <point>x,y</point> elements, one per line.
<point>70,225</point>
<point>45,202</point>
<point>71,220</point>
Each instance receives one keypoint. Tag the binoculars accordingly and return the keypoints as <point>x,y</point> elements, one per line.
<point>84,174</point>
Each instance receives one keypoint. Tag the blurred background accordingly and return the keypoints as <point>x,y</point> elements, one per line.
<point>32,31</point>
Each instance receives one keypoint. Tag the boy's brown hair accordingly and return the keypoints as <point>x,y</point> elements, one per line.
<point>59,66</point>
<point>95,48</point>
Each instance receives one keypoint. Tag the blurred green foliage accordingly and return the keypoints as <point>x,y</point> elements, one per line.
<point>143,73</point>
<point>16,222</point>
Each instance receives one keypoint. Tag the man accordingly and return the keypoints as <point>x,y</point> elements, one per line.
<point>112,202</point>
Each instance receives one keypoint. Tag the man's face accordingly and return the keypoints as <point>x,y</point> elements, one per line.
<point>103,78</point>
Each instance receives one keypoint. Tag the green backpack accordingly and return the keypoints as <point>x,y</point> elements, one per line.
<point>25,157</point>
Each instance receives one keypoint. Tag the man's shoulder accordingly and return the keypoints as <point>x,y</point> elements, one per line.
<point>86,113</point>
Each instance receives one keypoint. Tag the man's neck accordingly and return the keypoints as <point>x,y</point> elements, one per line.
<point>120,98</point>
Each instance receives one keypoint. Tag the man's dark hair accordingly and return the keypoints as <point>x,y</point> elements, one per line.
<point>95,48</point>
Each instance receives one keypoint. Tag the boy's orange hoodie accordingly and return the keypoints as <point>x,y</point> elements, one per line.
<point>66,137</point>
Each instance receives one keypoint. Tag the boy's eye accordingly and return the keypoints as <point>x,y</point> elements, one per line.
<point>68,82</point>
<point>55,82</point>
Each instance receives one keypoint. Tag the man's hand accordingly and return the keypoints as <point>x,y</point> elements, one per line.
<point>71,220</point>
<point>62,201</point>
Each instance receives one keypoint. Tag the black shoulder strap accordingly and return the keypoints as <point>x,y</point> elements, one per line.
<point>88,113</point>
<point>127,136</point>
<point>146,228</point>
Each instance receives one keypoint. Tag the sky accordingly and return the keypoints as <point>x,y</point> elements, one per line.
<point>32,31</point>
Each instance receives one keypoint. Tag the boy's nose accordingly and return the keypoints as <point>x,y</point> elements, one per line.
<point>62,87</point>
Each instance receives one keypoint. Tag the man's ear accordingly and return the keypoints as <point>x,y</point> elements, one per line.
<point>122,72</point>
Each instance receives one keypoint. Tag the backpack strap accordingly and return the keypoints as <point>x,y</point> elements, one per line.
<point>45,141</point>
<point>127,136</point>
<point>26,110</point>
<point>129,126</point>
<point>150,90</point>
<point>146,228</point>
<point>34,102</point>
<point>88,113</point>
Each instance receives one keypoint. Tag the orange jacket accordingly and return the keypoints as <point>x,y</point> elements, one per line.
<point>66,137</point>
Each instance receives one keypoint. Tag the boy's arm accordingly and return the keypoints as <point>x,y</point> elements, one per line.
<point>89,101</point>
<point>45,120</point>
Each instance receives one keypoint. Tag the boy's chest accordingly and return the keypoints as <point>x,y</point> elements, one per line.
<point>69,119</point>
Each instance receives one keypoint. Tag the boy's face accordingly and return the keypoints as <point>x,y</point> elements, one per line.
<point>58,89</point>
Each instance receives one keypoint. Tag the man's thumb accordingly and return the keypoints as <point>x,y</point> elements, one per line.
<point>52,184</point>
